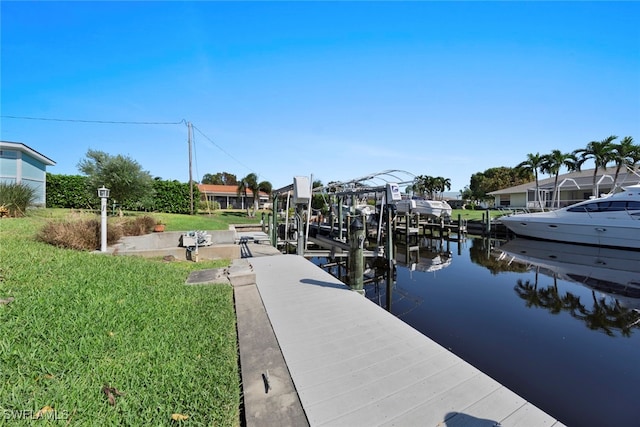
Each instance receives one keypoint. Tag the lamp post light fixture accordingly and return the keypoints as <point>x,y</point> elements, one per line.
<point>103,193</point>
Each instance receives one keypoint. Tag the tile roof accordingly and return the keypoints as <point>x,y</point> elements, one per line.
<point>224,189</point>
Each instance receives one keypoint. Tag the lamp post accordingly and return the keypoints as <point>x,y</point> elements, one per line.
<point>103,193</point>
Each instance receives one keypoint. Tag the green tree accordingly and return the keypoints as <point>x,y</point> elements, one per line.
<point>265,186</point>
<point>441,185</point>
<point>533,164</point>
<point>128,182</point>
<point>493,179</point>
<point>625,153</point>
<point>250,183</point>
<point>601,152</point>
<point>553,162</point>
<point>220,178</point>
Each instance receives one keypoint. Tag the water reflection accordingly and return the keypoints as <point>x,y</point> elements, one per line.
<point>430,255</point>
<point>547,327</point>
<point>612,276</point>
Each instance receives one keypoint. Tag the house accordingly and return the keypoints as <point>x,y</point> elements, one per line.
<point>21,164</point>
<point>226,197</point>
<point>573,187</point>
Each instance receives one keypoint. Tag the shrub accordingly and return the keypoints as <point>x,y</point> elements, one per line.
<point>138,226</point>
<point>84,234</point>
<point>15,198</point>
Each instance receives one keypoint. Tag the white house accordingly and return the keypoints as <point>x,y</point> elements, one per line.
<point>21,164</point>
<point>573,187</point>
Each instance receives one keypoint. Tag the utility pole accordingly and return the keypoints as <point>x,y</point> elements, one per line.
<point>190,173</point>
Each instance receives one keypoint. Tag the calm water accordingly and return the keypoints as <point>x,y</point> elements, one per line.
<point>568,348</point>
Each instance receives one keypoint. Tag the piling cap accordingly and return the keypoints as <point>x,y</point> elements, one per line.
<point>356,225</point>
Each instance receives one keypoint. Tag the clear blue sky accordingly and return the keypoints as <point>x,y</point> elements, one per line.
<point>331,89</point>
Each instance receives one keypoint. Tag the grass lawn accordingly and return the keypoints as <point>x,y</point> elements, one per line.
<point>79,321</point>
<point>471,215</point>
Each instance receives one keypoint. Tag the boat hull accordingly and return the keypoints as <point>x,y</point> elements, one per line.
<point>605,231</point>
<point>428,208</point>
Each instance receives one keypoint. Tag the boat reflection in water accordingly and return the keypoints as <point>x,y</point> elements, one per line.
<point>614,273</point>
<point>429,256</point>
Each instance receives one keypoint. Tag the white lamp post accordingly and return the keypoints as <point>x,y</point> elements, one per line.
<point>103,193</point>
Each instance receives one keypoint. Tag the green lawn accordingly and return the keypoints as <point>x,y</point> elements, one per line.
<point>472,214</point>
<point>80,320</point>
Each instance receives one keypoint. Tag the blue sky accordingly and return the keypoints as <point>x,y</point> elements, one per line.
<point>336,90</point>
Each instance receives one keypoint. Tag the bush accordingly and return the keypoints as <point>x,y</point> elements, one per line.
<point>15,198</point>
<point>85,234</point>
<point>138,226</point>
<point>70,191</point>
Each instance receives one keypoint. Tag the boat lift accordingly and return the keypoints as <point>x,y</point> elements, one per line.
<point>385,183</point>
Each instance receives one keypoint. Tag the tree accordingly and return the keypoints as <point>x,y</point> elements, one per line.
<point>553,162</point>
<point>265,186</point>
<point>533,164</point>
<point>625,153</point>
<point>429,186</point>
<point>601,152</point>
<point>492,179</point>
<point>441,185</point>
<point>220,178</point>
<point>128,182</point>
<point>250,183</point>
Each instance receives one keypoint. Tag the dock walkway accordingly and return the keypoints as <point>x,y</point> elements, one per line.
<point>354,364</point>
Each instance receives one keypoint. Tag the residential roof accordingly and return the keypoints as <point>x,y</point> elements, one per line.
<point>574,181</point>
<point>224,189</point>
<point>19,146</point>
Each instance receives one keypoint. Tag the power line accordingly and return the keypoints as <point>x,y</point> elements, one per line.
<point>93,121</point>
<point>183,121</point>
<point>221,149</point>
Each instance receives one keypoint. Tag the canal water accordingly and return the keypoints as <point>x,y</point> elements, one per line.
<point>557,324</point>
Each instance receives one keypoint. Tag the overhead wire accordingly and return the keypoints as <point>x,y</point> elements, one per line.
<point>222,149</point>
<point>127,122</point>
<point>93,121</point>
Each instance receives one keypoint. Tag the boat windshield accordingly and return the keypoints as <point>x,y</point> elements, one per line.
<point>607,206</point>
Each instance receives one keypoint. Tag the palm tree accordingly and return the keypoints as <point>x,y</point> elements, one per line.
<point>445,185</point>
<point>626,153</point>
<point>267,187</point>
<point>242,189</point>
<point>419,184</point>
<point>601,152</point>
<point>533,164</point>
<point>250,183</point>
<point>552,163</point>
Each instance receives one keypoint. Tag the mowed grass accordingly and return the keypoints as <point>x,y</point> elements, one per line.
<point>80,320</point>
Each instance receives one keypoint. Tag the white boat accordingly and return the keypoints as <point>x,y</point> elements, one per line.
<point>428,208</point>
<point>615,272</point>
<point>612,220</point>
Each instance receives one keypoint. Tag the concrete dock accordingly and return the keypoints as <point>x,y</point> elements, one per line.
<point>312,352</point>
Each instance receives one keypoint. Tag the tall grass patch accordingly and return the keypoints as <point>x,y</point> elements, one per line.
<point>84,233</point>
<point>79,321</point>
<point>15,198</point>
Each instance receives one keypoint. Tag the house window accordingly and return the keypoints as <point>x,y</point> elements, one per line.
<point>505,200</point>
<point>8,154</point>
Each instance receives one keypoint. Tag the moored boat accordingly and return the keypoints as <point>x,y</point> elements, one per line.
<point>428,208</point>
<point>612,220</point>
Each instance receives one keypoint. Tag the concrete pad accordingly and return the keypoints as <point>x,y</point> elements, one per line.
<point>240,273</point>
<point>209,276</point>
<point>269,396</point>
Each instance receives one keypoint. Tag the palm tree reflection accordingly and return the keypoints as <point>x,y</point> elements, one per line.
<point>604,314</point>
